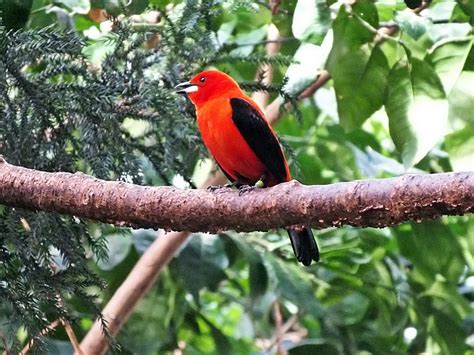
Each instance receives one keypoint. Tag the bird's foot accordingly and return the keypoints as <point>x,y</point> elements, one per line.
<point>247,188</point>
<point>220,187</point>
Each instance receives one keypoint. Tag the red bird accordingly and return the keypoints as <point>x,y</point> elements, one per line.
<point>244,145</point>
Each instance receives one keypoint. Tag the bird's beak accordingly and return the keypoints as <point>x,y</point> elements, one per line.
<point>185,88</point>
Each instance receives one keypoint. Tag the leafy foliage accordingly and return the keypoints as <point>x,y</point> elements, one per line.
<point>96,96</point>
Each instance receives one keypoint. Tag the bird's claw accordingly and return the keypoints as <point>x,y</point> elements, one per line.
<point>241,187</point>
<point>245,188</point>
<point>215,188</point>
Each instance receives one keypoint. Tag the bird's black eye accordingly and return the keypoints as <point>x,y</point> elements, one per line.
<point>203,79</point>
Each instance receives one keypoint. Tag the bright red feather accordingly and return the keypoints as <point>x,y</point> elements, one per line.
<point>221,136</point>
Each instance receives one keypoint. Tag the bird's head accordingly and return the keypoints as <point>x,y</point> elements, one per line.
<point>208,85</point>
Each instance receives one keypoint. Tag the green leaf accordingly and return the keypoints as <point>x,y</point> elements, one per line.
<point>417,109</point>
<point>467,6</point>
<point>349,31</point>
<point>386,9</point>
<point>223,345</point>
<point>449,333</point>
<point>113,7</point>
<point>258,274</point>
<point>225,31</point>
<point>314,347</point>
<point>355,65</point>
<point>344,167</point>
<point>365,10</point>
<point>97,51</point>
<point>448,60</point>
<point>58,347</point>
<point>308,59</point>
<point>153,324</point>
<point>311,20</point>
<point>442,11</point>
<point>293,285</point>
<point>461,101</point>
<point>447,293</point>
<point>231,248</point>
<point>460,145</point>
<point>325,98</point>
<point>247,41</point>
<point>15,13</point>
<point>415,26</point>
<point>354,76</point>
<point>143,238</point>
<point>448,31</point>
<point>137,6</point>
<point>119,246</point>
<point>258,278</point>
<point>433,249</point>
<point>351,309</point>
<point>201,263</point>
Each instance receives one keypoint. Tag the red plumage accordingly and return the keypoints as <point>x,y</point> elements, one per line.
<point>235,131</point>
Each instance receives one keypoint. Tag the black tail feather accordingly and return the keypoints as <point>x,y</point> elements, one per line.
<point>304,245</point>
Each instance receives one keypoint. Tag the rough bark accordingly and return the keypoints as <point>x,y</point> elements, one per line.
<point>365,203</point>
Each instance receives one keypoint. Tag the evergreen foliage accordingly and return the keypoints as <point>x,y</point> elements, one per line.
<point>60,112</point>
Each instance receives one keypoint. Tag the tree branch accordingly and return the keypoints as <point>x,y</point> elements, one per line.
<point>365,203</point>
<point>278,328</point>
<point>265,71</point>
<point>44,332</point>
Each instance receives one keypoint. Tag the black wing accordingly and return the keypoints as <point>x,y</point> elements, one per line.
<point>259,137</point>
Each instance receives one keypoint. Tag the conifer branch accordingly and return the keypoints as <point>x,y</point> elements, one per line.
<point>44,332</point>
<point>137,284</point>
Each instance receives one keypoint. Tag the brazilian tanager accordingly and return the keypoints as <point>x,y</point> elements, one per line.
<point>244,145</point>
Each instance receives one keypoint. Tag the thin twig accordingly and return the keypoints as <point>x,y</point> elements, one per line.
<point>274,6</point>
<point>382,33</point>
<point>72,337</point>
<point>268,41</point>
<point>284,329</point>
<point>70,332</point>
<point>265,71</point>
<point>278,327</point>
<point>5,344</point>
<point>64,322</point>
<point>322,79</point>
<point>45,331</point>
